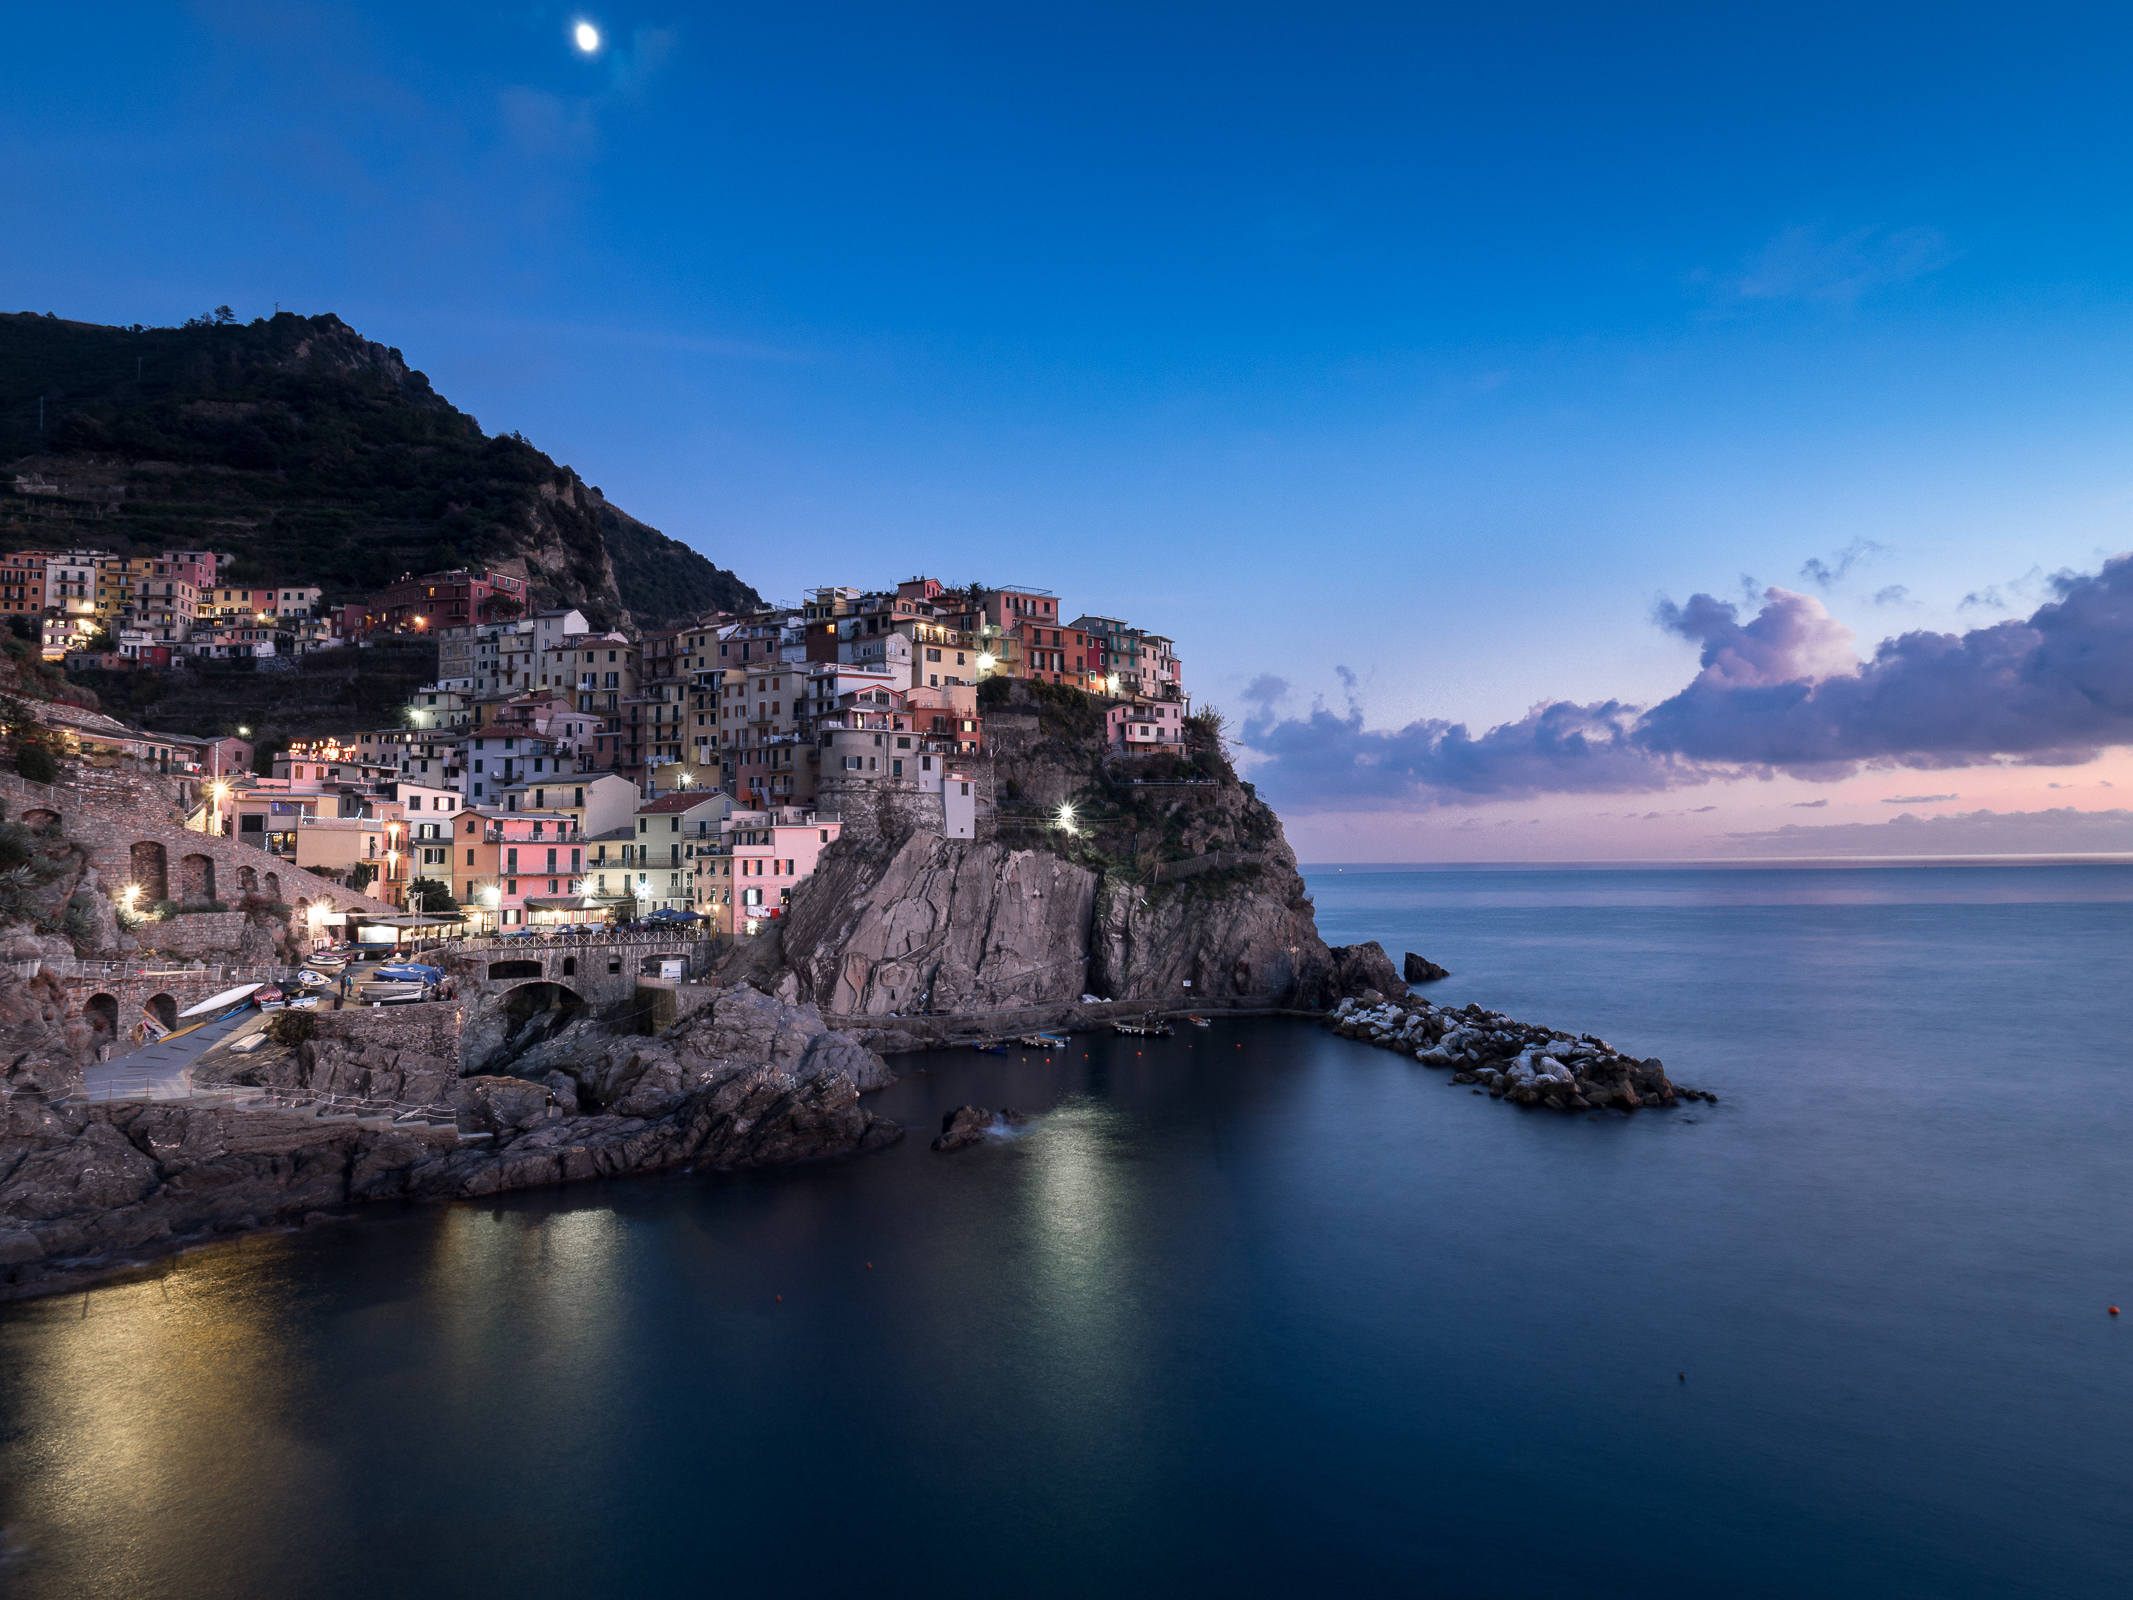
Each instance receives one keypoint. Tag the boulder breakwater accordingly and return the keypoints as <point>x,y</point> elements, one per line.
<point>1509,1060</point>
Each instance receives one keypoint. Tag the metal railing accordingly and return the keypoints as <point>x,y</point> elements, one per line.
<point>521,941</point>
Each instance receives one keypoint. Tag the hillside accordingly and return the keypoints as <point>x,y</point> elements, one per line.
<point>307,451</point>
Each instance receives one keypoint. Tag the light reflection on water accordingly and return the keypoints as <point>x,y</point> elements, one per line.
<point>1254,1310</point>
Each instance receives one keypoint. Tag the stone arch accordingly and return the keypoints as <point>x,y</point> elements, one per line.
<point>196,879</point>
<point>41,819</point>
<point>273,886</point>
<point>501,970</point>
<point>101,1012</point>
<point>248,880</point>
<point>163,1008</point>
<point>149,866</point>
<point>570,966</point>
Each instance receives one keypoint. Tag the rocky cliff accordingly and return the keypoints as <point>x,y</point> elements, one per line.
<point>311,453</point>
<point>750,1080</point>
<point>1165,880</point>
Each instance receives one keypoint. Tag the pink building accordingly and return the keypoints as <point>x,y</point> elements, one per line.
<point>767,853</point>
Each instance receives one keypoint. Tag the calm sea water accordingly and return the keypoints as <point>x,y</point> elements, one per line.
<point>1250,1311</point>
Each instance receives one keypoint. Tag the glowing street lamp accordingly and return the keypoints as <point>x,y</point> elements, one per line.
<point>1065,818</point>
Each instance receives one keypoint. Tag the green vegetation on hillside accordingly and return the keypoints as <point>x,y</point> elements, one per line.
<point>312,454</point>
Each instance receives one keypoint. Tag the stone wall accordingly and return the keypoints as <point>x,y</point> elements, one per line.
<point>432,1028</point>
<point>199,933</point>
<point>871,807</point>
<point>134,834</point>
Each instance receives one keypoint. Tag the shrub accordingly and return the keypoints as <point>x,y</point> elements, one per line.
<point>995,692</point>
<point>37,763</point>
<point>163,910</point>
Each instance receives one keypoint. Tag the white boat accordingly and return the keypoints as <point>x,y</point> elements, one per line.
<point>218,1002</point>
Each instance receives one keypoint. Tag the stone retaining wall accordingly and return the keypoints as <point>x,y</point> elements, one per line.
<point>432,1028</point>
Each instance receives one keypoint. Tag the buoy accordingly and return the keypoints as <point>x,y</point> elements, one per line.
<point>1683,1376</point>
<point>2114,1311</point>
<point>781,1299</point>
<point>870,1266</point>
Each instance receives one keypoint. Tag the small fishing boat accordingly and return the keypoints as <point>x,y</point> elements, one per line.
<point>991,1047</point>
<point>1045,1041</point>
<point>1146,1028</point>
<point>410,972</point>
<point>215,1002</point>
<point>1197,1022</point>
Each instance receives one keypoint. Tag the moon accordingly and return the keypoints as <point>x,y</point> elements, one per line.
<point>588,37</point>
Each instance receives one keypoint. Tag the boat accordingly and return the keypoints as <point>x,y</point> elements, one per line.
<point>228,997</point>
<point>992,1047</point>
<point>391,994</point>
<point>1045,1041</point>
<point>1146,1028</point>
<point>1197,1022</point>
<point>410,972</point>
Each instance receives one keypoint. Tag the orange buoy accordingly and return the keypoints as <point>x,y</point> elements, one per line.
<point>870,1266</point>
<point>2114,1311</point>
<point>781,1299</point>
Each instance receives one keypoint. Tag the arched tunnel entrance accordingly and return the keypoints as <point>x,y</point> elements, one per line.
<point>534,1012</point>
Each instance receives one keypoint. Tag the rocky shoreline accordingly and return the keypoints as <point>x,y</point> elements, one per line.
<point>88,1191</point>
<point>1509,1060</point>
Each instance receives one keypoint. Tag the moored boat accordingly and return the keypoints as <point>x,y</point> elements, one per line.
<point>1045,1041</point>
<point>1146,1028</point>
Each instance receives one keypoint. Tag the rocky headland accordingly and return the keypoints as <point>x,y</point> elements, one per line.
<point>1094,885</point>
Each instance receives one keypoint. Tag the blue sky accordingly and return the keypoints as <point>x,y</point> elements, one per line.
<point>1435,345</point>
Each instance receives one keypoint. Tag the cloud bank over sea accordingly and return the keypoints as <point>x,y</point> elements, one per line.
<point>1782,692</point>
<point>2062,830</point>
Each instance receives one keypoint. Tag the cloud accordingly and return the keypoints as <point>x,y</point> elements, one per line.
<point>1782,691</point>
<point>1894,595</point>
<point>1918,799</point>
<point>1791,638</point>
<point>1325,761</point>
<point>1828,573</point>
<point>2061,831</point>
<point>1265,689</point>
<point>1809,805</point>
<point>1811,265</point>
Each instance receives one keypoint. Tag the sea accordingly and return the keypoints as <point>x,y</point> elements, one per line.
<point>1252,1310</point>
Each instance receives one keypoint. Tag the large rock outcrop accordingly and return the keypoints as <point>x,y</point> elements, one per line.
<point>1173,884</point>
